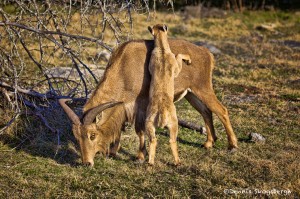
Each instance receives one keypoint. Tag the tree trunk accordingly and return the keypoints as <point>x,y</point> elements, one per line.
<point>241,5</point>
<point>234,5</point>
<point>263,4</point>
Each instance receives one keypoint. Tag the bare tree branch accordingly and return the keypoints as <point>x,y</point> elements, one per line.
<point>36,94</point>
<point>44,32</point>
<point>40,36</point>
<point>2,130</point>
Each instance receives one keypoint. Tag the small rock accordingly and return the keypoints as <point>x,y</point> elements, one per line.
<point>179,29</point>
<point>200,11</point>
<point>255,137</point>
<point>103,56</point>
<point>269,8</point>
<point>268,27</point>
<point>213,49</point>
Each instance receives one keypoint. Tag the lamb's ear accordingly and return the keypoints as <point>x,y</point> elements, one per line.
<point>150,30</point>
<point>165,27</point>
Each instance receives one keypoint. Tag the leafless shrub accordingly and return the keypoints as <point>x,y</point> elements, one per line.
<point>37,36</point>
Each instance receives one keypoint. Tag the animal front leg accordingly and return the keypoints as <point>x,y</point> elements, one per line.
<point>142,148</point>
<point>114,148</point>
<point>179,58</point>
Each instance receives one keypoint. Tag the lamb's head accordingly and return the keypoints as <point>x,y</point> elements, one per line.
<point>158,29</point>
<point>90,135</point>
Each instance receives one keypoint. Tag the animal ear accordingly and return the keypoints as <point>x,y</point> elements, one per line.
<point>99,117</point>
<point>150,30</point>
<point>165,27</point>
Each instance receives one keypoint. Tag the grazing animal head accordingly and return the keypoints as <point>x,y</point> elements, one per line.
<point>92,136</point>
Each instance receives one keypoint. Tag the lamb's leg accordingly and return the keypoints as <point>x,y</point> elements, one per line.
<point>179,58</point>
<point>115,148</point>
<point>150,129</point>
<point>142,148</point>
<point>173,129</point>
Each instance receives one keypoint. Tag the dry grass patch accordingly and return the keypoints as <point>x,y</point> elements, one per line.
<point>255,77</point>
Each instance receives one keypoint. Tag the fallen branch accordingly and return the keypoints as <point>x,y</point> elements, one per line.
<point>26,91</point>
<point>47,32</point>
<point>33,93</point>
<point>192,126</point>
<point>6,95</point>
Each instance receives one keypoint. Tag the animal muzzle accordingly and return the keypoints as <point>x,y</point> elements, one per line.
<point>87,156</point>
<point>89,163</point>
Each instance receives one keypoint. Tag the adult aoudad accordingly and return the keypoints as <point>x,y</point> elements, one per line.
<point>123,93</point>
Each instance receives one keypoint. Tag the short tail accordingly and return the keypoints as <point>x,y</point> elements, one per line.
<point>161,119</point>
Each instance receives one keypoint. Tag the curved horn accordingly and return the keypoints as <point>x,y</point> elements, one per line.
<point>90,116</point>
<point>71,114</point>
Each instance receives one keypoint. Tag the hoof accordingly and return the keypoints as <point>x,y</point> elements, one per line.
<point>177,163</point>
<point>232,147</point>
<point>151,163</point>
<point>112,155</point>
<point>140,161</point>
<point>141,156</point>
<point>232,150</point>
<point>208,145</point>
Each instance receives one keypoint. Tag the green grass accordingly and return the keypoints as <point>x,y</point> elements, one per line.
<point>253,79</point>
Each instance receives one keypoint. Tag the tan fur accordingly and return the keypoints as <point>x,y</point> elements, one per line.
<point>127,79</point>
<point>106,133</point>
<point>161,111</point>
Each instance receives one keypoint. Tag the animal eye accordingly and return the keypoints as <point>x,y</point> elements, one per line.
<point>93,136</point>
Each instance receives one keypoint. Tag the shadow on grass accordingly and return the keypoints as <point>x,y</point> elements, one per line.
<point>46,146</point>
<point>180,140</point>
<point>132,157</point>
<point>245,140</point>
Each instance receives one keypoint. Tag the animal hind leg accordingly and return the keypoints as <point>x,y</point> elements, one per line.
<point>209,98</point>
<point>173,129</point>
<point>207,116</point>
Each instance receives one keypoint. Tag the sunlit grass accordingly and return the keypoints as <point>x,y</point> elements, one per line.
<point>254,78</point>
